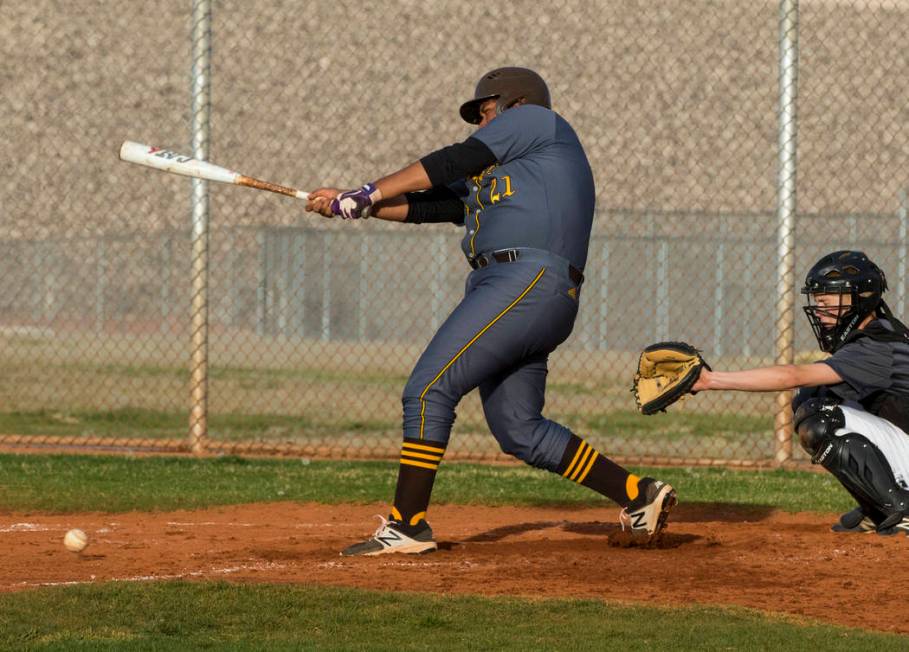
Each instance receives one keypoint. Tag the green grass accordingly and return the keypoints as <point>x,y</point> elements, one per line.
<point>181,615</point>
<point>678,425</point>
<point>62,483</point>
<point>264,377</point>
<point>143,422</point>
<point>272,376</point>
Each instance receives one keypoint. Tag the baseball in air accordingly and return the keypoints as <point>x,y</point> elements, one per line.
<point>75,540</point>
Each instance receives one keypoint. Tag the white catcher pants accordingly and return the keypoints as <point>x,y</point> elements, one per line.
<point>893,442</point>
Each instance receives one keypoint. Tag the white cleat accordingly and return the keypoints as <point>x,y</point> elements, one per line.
<point>646,516</point>
<point>395,536</point>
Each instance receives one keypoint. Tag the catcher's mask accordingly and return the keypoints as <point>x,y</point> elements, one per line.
<point>507,86</point>
<point>842,274</point>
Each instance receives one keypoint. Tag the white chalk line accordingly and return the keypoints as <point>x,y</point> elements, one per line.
<point>227,570</point>
<point>228,524</point>
<point>209,523</point>
<point>413,564</point>
<point>405,564</point>
<point>40,527</point>
<point>43,527</point>
<point>28,527</point>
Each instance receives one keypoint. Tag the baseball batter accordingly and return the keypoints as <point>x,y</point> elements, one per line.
<point>852,409</point>
<point>522,188</point>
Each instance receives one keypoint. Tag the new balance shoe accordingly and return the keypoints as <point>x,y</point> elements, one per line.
<point>395,536</point>
<point>646,516</point>
<point>855,521</point>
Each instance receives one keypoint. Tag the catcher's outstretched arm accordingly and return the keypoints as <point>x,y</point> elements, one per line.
<point>768,379</point>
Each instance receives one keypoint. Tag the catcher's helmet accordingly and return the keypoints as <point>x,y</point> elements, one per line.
<point>507,86</point>
<point>843,273</point>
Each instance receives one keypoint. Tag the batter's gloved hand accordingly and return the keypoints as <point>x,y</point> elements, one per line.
<point>319,201</point>
<point>356,204</point>
<point>666,373</point>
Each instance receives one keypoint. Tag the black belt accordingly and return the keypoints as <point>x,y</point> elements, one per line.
<point>511,255</point>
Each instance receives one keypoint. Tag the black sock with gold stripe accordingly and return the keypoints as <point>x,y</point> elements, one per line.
<point>419,461</point>
<point>581,463</point>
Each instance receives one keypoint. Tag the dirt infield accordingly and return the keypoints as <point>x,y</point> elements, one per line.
<point>717,554</point>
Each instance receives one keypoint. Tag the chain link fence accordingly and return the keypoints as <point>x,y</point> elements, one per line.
<point>732,144</point>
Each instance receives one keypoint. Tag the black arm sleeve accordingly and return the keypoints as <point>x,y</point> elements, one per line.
<point>438,204</point>
<point>457,161</point>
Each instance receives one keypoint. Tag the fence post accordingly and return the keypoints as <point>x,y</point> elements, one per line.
<point>201,107</point>
<point>786,214</point>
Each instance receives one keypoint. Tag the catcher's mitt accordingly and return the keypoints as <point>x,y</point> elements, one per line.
<point>666,372</point>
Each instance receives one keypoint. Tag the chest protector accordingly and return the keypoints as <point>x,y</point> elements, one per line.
<point>894,407</point>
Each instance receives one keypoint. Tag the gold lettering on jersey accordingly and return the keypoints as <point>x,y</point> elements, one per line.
<point>478,179</point>
<point>494,197</point>
<point>508,191</point>
<point>496,194</point>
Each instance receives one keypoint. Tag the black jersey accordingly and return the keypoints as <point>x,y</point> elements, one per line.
<point>874,366</point>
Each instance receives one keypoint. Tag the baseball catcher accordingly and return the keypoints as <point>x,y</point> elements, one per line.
<point>666,373</point>
<point>851,410</point>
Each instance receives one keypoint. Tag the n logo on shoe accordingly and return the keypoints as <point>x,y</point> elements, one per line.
<point>388,537</point>
<point>637,520</point>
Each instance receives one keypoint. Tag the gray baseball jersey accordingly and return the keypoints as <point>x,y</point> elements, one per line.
<point>540,193</point>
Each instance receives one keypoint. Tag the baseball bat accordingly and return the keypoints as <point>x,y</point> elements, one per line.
<point>169,161</point>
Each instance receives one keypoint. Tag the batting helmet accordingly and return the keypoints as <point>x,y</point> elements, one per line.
<point>507,86</point>
<point>844,273</point>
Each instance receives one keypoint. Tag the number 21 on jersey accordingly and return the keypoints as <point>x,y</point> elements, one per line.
<point>495,193</point>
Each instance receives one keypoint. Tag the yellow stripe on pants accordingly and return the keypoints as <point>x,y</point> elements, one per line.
<point>469,344</point>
